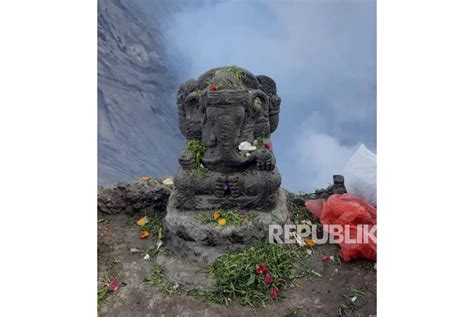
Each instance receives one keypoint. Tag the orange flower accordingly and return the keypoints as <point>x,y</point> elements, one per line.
<point>144,234</point>
<point>146,178</point>
<point>221,221</point>
<point>310,242</point>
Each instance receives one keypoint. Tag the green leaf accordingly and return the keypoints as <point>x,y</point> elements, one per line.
<point>251,279</point>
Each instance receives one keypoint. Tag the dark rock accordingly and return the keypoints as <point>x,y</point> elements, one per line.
<point>338,187</point>
<point>137,197</point>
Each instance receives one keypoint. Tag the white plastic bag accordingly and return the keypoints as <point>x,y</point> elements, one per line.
<point>360,175</point>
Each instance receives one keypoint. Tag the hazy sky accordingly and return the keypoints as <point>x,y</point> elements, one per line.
<point>322,55</point>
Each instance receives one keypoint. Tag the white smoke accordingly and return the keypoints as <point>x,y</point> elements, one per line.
<point>322,54</point>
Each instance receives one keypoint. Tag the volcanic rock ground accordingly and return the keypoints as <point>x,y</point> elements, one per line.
<point>318,296</point>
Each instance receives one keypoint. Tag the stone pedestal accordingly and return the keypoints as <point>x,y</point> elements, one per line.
<point>188,237</point>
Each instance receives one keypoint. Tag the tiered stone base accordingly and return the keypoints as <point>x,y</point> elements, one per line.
<point>188,237</point>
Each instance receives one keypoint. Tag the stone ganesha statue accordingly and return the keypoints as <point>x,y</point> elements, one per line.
<point>227,117</point>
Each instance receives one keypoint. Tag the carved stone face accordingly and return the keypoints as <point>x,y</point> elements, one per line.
<point>224,107</point>
<point>224,118</point>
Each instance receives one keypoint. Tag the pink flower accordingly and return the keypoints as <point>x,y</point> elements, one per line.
<point>268,146</point>
<point>325,258</point>
<point>268,279</point>
<point>113,286</point>
<point>274,291</point>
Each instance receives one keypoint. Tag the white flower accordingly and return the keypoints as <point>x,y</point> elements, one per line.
<point>246,146</point>
<point>168,182</point>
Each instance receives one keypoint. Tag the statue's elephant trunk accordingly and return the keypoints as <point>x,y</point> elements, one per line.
<point>227,135</point>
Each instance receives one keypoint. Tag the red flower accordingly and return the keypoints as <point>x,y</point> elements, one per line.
<point>260,268</point>
<point>268,146</point>
<point>213,87</point>
<point>274,291</point>
<point>268,279</point>
<point>325,258</point>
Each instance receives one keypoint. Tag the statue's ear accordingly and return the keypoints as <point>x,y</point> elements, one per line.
<point>267,84</point>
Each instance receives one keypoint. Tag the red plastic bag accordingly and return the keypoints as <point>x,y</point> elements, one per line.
<point>349,211</point>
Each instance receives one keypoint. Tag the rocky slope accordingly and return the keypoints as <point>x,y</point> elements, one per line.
<point>137,121</point>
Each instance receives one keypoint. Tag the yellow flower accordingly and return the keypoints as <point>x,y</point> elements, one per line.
<point>310,242</point>
<point>142,221</point>
<point>216,215</point>
<point>221,221</point>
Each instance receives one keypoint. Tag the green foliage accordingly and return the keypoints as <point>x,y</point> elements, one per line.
<point>155,277</point>
<point>298,211</point>
<point>198,148</point>
<point>232,217</point>
<point>235,274</point>
<point>236,72</point>
<point>260,143</point>
<point>201,170</point>
<point>102,294</point>
<point>154,225</point>
<point>257,103</point>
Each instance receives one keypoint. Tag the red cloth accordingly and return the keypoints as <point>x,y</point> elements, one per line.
<point>348,210</point>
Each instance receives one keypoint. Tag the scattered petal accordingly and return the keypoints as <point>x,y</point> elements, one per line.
<point>221,222</point>
<point>260,268</point>
<point>142,221</point>
<point>268,279</point>
<point>309,251</point>
<point>325,258</point>
<point>310,242</point>
<point>113,286</point>
<point>242,213</point>
<point>274,291</point>
<point>331,258</point>
<point>268,146</point>
<point>146,257</point>
<point>226,185</point>
<point>213,87</point>
<point>216,215</point>
<point>353,299</point>
<point>144,234</point>
<point>146,178</point>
